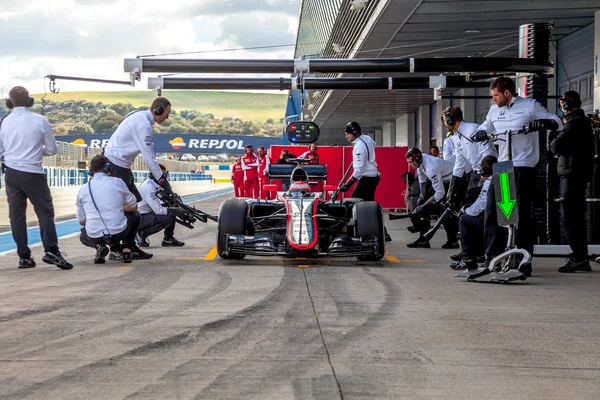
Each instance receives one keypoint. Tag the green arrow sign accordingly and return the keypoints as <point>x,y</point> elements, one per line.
<point>507,205</point>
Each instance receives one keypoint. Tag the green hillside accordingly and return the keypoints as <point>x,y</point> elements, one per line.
<point>247,106</point>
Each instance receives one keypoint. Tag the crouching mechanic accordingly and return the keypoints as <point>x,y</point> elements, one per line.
<point>155,217</point>
<point>364,165</point>
<point>470,224</point>
<point>439,172</point>
<point>107,210</point>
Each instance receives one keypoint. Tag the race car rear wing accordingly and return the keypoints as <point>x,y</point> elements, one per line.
<point>284,171</point>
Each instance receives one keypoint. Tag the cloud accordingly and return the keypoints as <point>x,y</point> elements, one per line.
<point>224,7</point>
<point>244,30</point>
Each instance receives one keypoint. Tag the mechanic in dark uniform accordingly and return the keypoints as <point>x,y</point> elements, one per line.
<point>365,172</point>
<point>25,138</point>
<point>575,146</point>
<point>132,137</point>
<point>512,112</point>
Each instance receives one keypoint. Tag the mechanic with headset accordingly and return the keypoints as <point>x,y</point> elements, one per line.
<point>237,177</point>
<point>154,216</point>
<point>263,170</point>
<point>25,138</point>
<point>364,165</point>
<point>575,148</point>
<point>250,164</point>
<point>471,222</point>
<point>512,112</point>
<point>469,155</point>
<point>134,136</point>
<point>439,172</point>
<point>449,148</point>
<point>107,210</point>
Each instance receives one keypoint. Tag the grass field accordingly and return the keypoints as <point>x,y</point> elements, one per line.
<point>247,106</point>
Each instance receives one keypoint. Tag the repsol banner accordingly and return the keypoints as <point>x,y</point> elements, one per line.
<point>187,143</point>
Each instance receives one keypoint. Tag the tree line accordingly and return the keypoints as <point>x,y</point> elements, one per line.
<point>80,117</point>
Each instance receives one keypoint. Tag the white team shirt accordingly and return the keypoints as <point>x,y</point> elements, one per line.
<point>111,195</point>
<point>438,171</point>
<point>132,137</point>
<point>150,202</point>
<point>363,157</point>
<point>449,149</point>
<point>469,153</point>
<point>520,112</point>
<point>479,206</point>
<point>25,138</point>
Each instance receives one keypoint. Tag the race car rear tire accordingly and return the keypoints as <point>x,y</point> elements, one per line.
<point>232,221</point>
<point>369,222</point>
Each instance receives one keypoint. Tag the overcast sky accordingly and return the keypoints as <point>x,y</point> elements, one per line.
<point>91,38</point>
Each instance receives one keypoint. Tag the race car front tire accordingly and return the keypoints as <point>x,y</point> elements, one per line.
<point>232,221</point>
<point>369,222</point>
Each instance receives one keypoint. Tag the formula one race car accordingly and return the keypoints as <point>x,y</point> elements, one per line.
<point>301,222</point>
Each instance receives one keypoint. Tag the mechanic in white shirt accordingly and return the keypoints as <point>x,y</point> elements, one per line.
<point>448,148</point>
<point>469,155</point>
<point>25,138</point>
<point>107,211</point>
<point>471,223</point>
<point>134,136</point>
<point>364,165</point>
<point>512,112</point>
<point>156,217</point>
<point>439,172</point>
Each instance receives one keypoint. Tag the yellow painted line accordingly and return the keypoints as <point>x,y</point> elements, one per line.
<point>125,269</point>
<point>303,266</point>
<point>211,254</point>
<point>395,260</point>
<point>391,258</point>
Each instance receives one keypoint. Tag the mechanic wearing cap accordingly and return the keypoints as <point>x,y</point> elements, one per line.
<point>471,222</point>
<point>107,210</point>
<point>237,177</point>
<point>512,112</point>
<point>154,216</point>
<point>364,165</point>
<point>439,172</point>
<point>449,148</point>
<point>25,138</point>
<point>575,148</point>
<point>250,164</point>
<point>263,170</point>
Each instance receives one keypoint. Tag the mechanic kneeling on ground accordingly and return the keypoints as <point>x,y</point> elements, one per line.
<point>438,171</point>
<point>471,222</point>
<point>575,146</point>
<point>107,210</point>
<point>364,165</point>
<point>154,216</point>
<point>512,112</point>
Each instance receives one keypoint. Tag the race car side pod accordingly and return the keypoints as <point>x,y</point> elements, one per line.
<point>337,192</point>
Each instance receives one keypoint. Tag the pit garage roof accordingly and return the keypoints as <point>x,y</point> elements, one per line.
<point>433,28</point>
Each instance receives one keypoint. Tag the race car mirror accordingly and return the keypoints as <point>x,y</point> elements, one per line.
<point>302,132</point>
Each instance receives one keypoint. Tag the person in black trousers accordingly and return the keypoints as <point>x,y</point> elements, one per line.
<point>25,138</point>
<point>575,148</point>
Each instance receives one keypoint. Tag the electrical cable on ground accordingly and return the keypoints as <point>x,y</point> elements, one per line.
<point>337,381</point>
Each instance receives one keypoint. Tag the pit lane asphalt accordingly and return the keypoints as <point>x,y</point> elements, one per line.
<point>180,326</point>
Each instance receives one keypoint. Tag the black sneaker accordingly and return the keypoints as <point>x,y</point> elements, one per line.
<point>116,255</point>
<point>451,245</point>
<point>26,263</point>
<point>457,257</point>
<point>412,229</point>
<point>57,259</point>
<point>172,242</point>
<point>127,257</point>
<point>142,240</point>
<point>101,253</point>
<point>139,254</point>
<point>419,245</point>
<point>574,266</point>
<point>470,265</point>
<point>480,259</point>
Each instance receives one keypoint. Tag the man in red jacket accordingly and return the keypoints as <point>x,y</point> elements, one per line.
<point>313,156</point>
<point>237,177</point>
<point>263,171</point>
<point>250,164</point>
